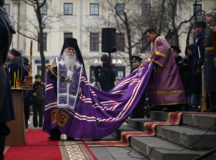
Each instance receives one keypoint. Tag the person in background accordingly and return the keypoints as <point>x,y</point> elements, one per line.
<point>177,51</point>
<point>15,66</point>
<point>194,98</point>
<point>138,112</point>
<point>38,101</point>
<point>6,105</point>
<point>105,74</point>
<point>209,65</point>
<point>186,71</point>
<point>27,100</point>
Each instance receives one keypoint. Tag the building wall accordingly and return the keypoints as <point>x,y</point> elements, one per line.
<point>81,23</point>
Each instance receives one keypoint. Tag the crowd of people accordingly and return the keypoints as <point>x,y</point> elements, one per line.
<point>33,99</point>
<point>197,72</point>
<point>197,68</point>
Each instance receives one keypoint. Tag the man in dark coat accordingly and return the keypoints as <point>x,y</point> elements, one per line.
<point>106,74</point>
<point>38,101</point>
<point>210,67</point>
<point>197,62</point>
<point>141,109</point>
<point>15,66</point>
<point>138,111</point>
<point>177,51</point>
<point>6,106</point>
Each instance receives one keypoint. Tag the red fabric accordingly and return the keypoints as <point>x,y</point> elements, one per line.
<point>38,147</point>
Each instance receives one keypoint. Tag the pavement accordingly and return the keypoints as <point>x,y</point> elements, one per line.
<point>106,153</point>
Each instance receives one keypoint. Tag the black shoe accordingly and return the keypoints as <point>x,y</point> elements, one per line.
<point>53,138</point>
<point>70,138</point>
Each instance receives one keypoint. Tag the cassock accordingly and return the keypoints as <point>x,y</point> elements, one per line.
<point>165,84</point>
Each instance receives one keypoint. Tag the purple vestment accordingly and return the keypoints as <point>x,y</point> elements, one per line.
<point>96,113</point>
<point>165,84</point>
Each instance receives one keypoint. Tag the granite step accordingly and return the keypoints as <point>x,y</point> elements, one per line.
<point>203,121</point>
<point>138,123</point>
<point>122,128</point>
<point>193,138</point>
<point>155,148</point>
<point>159,116</point>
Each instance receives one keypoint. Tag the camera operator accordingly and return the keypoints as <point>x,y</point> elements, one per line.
<point>105,74</point>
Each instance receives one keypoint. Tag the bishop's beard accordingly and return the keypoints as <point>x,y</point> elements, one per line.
<point>69,60</point>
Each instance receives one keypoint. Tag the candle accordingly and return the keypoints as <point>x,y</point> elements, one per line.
<point>14,79</point>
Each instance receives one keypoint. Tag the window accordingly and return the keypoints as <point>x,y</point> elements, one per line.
<point>68,35</point>
<point>120,8</point>
<point>171,10</point>
<point>146,9</point>
<point>43,9</point>
<point>94,41</point>
<point>44,42</point>
<point>120,39</point>
<point>197,9</point>
<point>7,8</point>
<point>68,8</point>
<point>146,12</point>
<point>94,8</point>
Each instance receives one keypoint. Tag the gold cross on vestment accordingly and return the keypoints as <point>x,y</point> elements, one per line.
<point>68,80</point>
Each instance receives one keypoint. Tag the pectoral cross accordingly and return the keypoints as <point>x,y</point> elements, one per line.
<point>68,80</point>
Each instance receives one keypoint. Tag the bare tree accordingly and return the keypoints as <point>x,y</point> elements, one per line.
<point>39,24</point>
<point>128,21</point>
<point>163,17</point>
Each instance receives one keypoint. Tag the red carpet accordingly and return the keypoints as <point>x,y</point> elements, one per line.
<point>39,147</point>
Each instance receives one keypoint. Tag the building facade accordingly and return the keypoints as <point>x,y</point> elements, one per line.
<point>84,20</point>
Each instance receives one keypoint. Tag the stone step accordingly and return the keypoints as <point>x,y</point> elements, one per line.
<point>159,116</point>
<point>193,138</point>
<point>203,121</point>
<point>155,148</point>
<point>138,123</point>
<point>122,128</point>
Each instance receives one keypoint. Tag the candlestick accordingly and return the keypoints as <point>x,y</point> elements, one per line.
<point>30,65</point>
